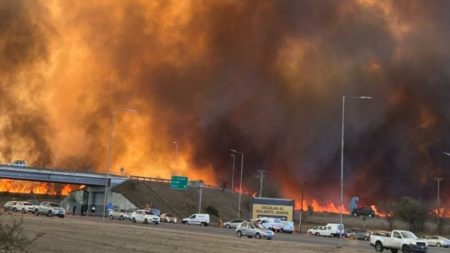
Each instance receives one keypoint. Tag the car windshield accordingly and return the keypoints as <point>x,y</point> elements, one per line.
<point>407,234</point>
<point>27,204</point>
<point>258,225</point>
<point>149,212</point>
<point>54,205</point>
<point>169,215</point>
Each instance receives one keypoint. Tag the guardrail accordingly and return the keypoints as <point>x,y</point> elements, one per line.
<point>164,180</point>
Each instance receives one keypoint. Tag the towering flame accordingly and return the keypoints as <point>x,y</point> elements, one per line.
<point>263,77</point>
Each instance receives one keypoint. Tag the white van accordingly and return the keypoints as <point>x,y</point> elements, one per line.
<point>333,230</point>
<point>201,219</point>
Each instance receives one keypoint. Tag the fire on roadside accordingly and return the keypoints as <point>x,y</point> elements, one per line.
<point>16,186</point>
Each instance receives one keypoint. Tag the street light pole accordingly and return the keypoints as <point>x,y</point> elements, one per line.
<point>232,172</point>
<point>301,210</point>
<point>240,183</point>
<point>176,154</point>
<point>342,163</point>
<point>113,119</point>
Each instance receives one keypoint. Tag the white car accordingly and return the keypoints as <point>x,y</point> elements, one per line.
<point>23,206</point>
<point>287,227</point>
<point>331,230</point>
<point>201,219</point>
<point>273,224</point>
<point>232,223</point>
<point>438,241</point>
<point>144,216</point>
<point>9,205</point>
<point>18,163</point>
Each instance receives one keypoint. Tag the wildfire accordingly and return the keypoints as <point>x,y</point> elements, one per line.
<point>15,186</point>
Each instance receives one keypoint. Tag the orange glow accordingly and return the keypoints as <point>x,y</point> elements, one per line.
<point>329,207</point>
<point>378,212</point>
<point>13,186</point>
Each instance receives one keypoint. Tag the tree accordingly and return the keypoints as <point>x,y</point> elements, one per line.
<point>411,211</point>
<point>12,237</point>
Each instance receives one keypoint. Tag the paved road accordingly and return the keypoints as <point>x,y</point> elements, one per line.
<point>313,240</point>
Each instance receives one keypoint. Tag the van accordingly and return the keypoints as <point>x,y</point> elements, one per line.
<point>201,219</point>
<point>333,230</point>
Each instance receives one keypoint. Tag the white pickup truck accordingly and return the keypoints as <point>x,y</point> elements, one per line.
<point>49,209</point>
<point>397,240</point>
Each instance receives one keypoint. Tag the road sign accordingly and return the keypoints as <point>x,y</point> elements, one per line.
<point>178,183</point>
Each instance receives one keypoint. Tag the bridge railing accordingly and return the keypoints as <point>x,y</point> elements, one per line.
<point>165,180</point>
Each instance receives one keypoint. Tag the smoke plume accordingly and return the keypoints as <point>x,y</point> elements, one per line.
<point>263,77</point>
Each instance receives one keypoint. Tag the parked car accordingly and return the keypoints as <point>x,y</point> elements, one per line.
<point>359,234</point>
<point>128,212</point>
<point>331,230</point>
<point>9,205</point>
<point>363,211</point>
<point>169,218</point>
<point>232,223</point>
<point>18,163</point>
<point>23,206</point>
<point>273,224</point>
<point>201,219</point>
<point>256,230</point>
<point>397,240</point>
<point>287,227</point>
<point>117,214</point>
<point>438,241</point>
<point>49,209</point>
<point>144,216</point>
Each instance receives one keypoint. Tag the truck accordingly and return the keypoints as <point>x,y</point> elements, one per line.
<point>396,240</point>
<point>49,209</point>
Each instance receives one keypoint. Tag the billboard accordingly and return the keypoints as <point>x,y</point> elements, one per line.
<point>273,208</point>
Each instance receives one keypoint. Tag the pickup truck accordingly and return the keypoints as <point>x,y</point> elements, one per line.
<point>397,240</point>
<point>49,209</point>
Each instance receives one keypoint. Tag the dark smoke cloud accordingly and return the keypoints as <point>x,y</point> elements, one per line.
<point>24,32</point>
<point>266,78</point>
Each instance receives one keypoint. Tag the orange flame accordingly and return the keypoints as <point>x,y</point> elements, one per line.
<point>16,186</point>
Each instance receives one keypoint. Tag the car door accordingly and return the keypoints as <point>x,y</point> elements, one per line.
<point>244,228</point>
<point>251,230</point>
<point>396,240</point>
<point>192,219</point>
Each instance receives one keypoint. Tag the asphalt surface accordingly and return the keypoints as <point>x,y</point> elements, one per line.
<point>312,240</point>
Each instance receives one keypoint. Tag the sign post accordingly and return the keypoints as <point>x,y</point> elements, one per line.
<point>178,183</point>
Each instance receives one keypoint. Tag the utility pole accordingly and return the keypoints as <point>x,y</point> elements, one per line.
<point>301,210</point>
<point>438,180</point>
<point>200,192</point>
<point>232,172</point>
<point>261,179</point>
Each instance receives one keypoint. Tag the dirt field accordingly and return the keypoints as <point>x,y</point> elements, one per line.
<point>69,235</point>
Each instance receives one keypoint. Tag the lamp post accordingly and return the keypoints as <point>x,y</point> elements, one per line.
<point>232,172</point>
<point>113,119</point>
<point>342,162</point>
<point>176,154</point>
<point>240,183</point>
<point>301,210</point>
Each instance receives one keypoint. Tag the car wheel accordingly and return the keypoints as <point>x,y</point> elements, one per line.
<point>438,244</point>
<point>228,226</point>
<point>379,247</point>
<point>156,223</point>
<point>36,212</point>
<point>202,224</point>
<point>133,220</point>
<point>394,250</point>
<point>145,221</point>
<point>15,210</point>
<point>269,238</point>
<point>405,249</point>
<point>121,218</point>
<point>370,215</point>
<point>317,234</point>
<point>239,233</point>
<point>258,236</point>
<point>49,214</point>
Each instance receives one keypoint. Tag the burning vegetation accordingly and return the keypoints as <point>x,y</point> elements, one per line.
<point>264,77</point>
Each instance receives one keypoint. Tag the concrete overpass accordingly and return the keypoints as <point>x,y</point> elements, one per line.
<point>58,176</point>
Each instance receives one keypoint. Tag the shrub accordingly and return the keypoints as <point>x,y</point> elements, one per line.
<point>12,238</point>
<point>411,211</point>
<point>212,211</point>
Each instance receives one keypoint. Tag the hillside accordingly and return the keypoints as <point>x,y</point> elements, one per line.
<point>183,203</point>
